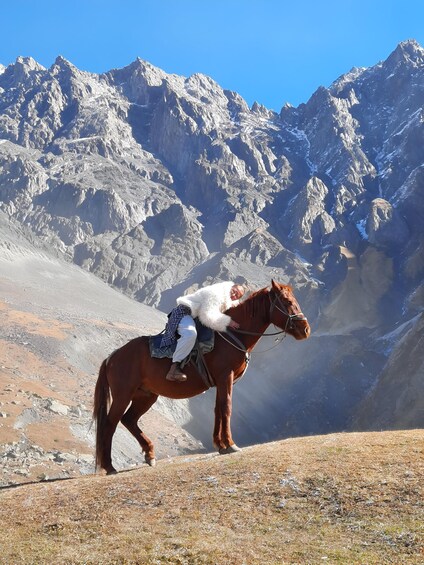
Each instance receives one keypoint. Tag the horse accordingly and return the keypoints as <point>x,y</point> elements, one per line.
<point>130,380</point>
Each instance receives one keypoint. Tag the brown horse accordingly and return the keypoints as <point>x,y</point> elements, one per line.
<point>135,380</point>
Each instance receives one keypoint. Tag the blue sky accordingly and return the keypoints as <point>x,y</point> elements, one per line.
<point>271,51</point>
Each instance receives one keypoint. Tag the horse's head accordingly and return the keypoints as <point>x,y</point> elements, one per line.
<point>285,312</point>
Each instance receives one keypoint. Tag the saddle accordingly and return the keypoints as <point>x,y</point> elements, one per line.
<point>204,344</point>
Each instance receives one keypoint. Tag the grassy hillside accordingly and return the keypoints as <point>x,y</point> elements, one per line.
<point>345,498</point>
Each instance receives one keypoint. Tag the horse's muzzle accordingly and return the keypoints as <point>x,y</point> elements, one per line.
<point>301,329</point>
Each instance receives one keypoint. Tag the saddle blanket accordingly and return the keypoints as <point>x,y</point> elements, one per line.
<point>205,342</point>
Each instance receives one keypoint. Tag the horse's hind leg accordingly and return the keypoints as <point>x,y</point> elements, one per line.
<point>141,402</point>
<point>115,414</point>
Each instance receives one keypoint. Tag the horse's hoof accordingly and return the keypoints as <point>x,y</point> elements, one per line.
<point>150,461</point>
<point>111,471</point>
<point>230,449</point>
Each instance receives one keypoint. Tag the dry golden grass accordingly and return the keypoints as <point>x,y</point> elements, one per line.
<point>344,498</point>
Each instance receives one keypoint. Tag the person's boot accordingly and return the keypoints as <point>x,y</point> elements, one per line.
<point>175,373</point>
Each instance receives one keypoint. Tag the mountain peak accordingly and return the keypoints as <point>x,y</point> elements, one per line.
<point>18,72</point>
<point>409,52</point>
<point>63,63</point>
<point>410,46</point>
<point>29,64</point>
<point>153,76</point>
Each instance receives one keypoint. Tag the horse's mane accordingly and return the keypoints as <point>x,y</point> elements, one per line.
<point>256,304</point>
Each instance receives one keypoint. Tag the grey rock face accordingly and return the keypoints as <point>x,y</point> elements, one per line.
<point>157,182</point>
<point>385,225</point>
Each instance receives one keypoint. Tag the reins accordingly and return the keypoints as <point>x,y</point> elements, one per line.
<point>241,348</point>
<point>258,333</point>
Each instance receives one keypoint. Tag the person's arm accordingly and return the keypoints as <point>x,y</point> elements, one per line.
<point>213,318</point>
<point>215,299</point>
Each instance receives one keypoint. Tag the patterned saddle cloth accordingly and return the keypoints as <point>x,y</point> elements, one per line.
<point>205,342</point>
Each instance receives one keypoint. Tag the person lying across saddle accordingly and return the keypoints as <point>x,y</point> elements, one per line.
<point>208,304</point>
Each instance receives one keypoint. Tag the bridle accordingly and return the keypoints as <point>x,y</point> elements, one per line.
<point>274,304</point>
<point>277,304</point>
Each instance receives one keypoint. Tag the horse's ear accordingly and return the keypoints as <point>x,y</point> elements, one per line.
<point>274,284</point>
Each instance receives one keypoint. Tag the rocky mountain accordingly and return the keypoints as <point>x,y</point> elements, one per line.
<point>158,183</point>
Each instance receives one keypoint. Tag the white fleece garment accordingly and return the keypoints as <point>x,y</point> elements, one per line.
<point>209,303</point>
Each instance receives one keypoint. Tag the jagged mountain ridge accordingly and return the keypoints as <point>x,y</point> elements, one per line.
<point>157,183</point>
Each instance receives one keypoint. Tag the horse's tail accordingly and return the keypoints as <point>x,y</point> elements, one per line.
<point>100,410</point>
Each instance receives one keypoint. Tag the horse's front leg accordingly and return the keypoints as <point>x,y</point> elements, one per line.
<point>222,438</point>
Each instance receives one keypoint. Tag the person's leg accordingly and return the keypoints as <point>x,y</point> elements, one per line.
<point>188,334</point>
<point>185,343</point>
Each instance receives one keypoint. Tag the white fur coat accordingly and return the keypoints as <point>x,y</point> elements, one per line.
<point>209,303</point>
